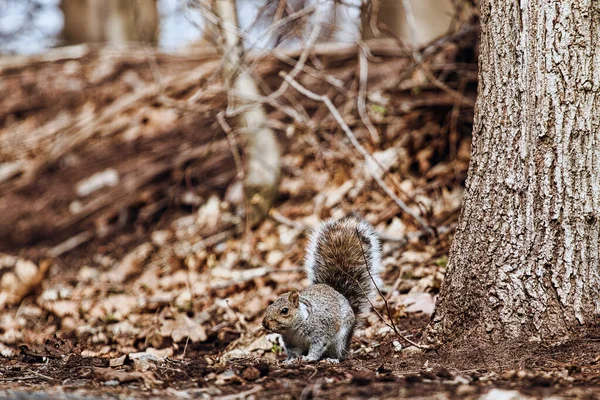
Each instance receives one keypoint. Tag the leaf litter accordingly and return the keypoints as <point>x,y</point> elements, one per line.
<point>170,304</point>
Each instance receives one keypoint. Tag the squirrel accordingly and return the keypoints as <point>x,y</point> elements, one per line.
<point>342,262</point>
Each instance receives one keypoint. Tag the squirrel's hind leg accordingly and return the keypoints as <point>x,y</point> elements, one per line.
<point>341,346</point>
<point>316,351</point>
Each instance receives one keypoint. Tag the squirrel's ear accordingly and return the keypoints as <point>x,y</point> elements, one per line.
<point>294,298</point>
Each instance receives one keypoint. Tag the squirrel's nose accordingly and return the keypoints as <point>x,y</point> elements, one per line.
<point>265,324</point>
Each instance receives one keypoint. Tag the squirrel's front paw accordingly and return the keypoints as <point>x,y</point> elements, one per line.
<point>308,359</point>
<point>331,360</point>
<point>291,360</point>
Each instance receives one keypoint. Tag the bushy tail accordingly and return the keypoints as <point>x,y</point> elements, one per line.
<point>346,255</point>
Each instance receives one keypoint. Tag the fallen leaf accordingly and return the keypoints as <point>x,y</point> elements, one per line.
<point>117,362</point>
<point>419,302</point>
<point>22,281</point>
<point>131,264</point>
<point>108,374</point>
<point>181,328</point>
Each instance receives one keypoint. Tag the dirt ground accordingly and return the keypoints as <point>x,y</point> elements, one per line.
<point>568,370</point>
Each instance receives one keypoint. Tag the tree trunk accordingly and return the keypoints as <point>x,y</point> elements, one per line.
<point>263,169</point>
<point>524,261</point>
<point>111,21</point>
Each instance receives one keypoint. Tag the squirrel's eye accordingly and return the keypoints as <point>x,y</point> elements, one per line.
<point>284,311</point>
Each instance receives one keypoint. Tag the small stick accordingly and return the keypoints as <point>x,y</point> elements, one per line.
<point>385,301</point>
<point>363,65</point>
<point>282,219</point>
<point>233,145</point>
<point>370,162</point>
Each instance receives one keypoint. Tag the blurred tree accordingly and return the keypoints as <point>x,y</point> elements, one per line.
<point>524,264</point>
<point>432,18</point>
<point>111,21</point>
<point>263,165</point>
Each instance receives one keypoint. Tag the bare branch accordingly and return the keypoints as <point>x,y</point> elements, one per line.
<point>370,162</point>
<point>385,301</point>
<point>363,66</point>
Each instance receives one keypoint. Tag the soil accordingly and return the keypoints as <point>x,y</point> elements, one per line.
<point>569,370</point>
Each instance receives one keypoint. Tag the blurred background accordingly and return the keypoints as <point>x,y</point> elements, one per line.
<point>132,216</point>
<point>31,26</point>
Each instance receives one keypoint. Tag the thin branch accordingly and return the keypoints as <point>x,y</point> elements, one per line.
<point>233,145</point>
<point>418,56</point>
<point>390,324</point>
<point>282,219</point>
<point>412,29</point>
<point>363,65</point>
<point>385,301</point>
<point>211,17</point>
<point>374,18</point>
<point>285,85</point>
<point>370,162</point>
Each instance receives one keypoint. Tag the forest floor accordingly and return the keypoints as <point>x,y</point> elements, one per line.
<point>127,269</point>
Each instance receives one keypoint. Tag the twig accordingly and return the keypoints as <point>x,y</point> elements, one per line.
<point>284,85</point>
<point>233,145</point>
<point>19,378</point>
<point>258,100</point>
<point>255,43</point>
<point>282,219</point>
<point>363,65</point>
<point>240,395</point>
<point>374,18</point>
<point>385,301</point>
<point>412,29</point>
<point>185,347</point>
<point>41,375</point>
<point>370,162</point>
<point>212,240</point>
<point>70,244</point>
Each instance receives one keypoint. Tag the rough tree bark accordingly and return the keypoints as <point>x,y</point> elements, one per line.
<point>524,261</point>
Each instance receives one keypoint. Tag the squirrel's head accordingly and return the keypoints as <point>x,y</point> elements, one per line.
<point>280,315</point>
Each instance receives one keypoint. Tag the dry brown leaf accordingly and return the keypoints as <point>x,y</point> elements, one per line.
<point>108,374</point>
<point>114,308</point>
<point>117,362</point>
<point>182,327</point>
<point>63,308</point>
<point>131,264</point>
<point>24,278</point>
<point>419,302</point>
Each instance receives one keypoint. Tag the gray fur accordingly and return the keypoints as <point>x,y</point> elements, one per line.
<point>336,257</point>
<point>322,325</point>
<point>320,322</point>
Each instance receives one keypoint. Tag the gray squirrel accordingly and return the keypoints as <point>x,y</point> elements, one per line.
<point>342,262</point>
